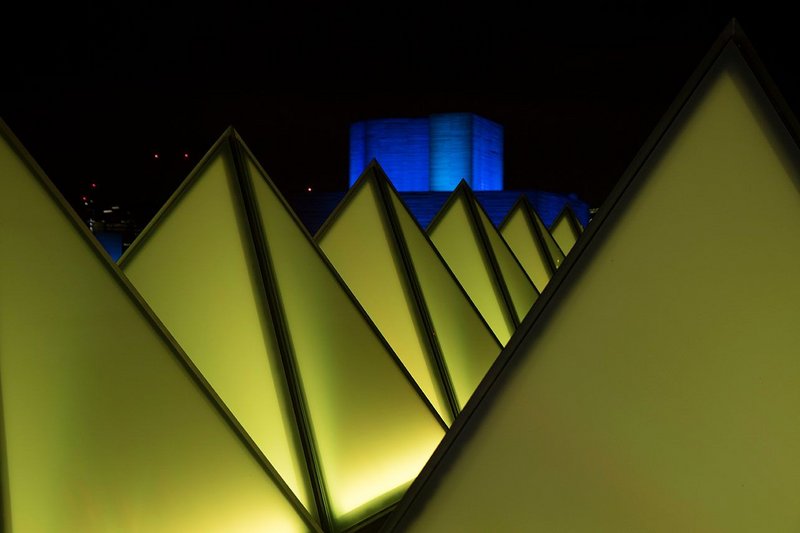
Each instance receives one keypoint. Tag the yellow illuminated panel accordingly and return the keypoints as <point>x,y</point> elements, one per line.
<point>468,345</point>
<point>520,232</point>
<point>519,285</point>
<point>675,408</point>
<point>372,429</point>
<point>456,239</point>
<point>360,245</point>
<point>197,270</point>
<point>565,231</point>
<point>104,429</point>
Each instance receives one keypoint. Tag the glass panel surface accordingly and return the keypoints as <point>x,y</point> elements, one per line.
<point>564,232</point>
<point>361,246</point>
<point>372,429</point>
<point>467,343</point>
<point>520,287</point>
<point>198,272</point>
<point>674,407</point>
<point>520,234</point>
<point>104,428</point>
<point>455,238</point>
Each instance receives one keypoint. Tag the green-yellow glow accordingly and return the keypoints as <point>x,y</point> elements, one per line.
<point>520,288</point>
<point>468,345</point>
<point>197,270</point>
<point>104,429</point>
<point>520,232</point>
<point>460,246</point>
<point>676,407</point>
<point>372,429</point>
<point>565,231</point>
<point>360,245</point>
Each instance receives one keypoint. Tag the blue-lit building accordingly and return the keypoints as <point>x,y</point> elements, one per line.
<point>426,158</point>
<point>431,154</point>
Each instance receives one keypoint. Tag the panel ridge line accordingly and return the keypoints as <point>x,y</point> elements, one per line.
<point>507,356</point>
<point>290,371</point>
<point>343,286</point>
<point>533,216</point>
<point>447,268</point>
<point>175,197</point>
<point>443,375</point>
<point>489,253</point>
<point>160,329</point>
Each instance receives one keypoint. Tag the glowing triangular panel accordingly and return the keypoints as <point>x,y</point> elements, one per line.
<point>531,243</point>
<point>359,242</point>
<point>454,232</point>
<point>196,268</point>
<point>566,229</point>
<point>104,427</point>
<point>520,287</point>
<point>468,345</point>
<point>372,429</point>
<point>673,405</point>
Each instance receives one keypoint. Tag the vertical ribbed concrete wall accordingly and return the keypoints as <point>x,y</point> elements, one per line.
<point>431,154</point>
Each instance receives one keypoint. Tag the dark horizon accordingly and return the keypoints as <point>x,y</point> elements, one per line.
<point>94,94</point>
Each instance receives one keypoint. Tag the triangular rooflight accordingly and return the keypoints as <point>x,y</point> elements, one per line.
<point>106,424</point>
<point>566,229</point>
<point>364,426</point>
<point>655,384</point>
<point>482,262</point>
<point>531,243</point>
<point>407,288</point>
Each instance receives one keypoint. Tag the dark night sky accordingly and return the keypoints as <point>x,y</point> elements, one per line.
<point>93,92</point>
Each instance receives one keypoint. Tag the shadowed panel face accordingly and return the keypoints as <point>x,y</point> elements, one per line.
<point>104,429</point>
<point>467,343</point>
<point>372,429</point>
<point>197,270</point>
<point>456,239</point>
<point>361,246</point>
<point>674,407</point>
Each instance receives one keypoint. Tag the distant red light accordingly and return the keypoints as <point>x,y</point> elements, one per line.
<point>83,198</point>
<point>94,185</point>
<point>186,155</point>
<point>309,189</point>
<point>155,156</point>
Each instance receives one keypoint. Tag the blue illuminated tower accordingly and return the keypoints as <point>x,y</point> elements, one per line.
<point>431,154</point>
<point>426,158</point>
